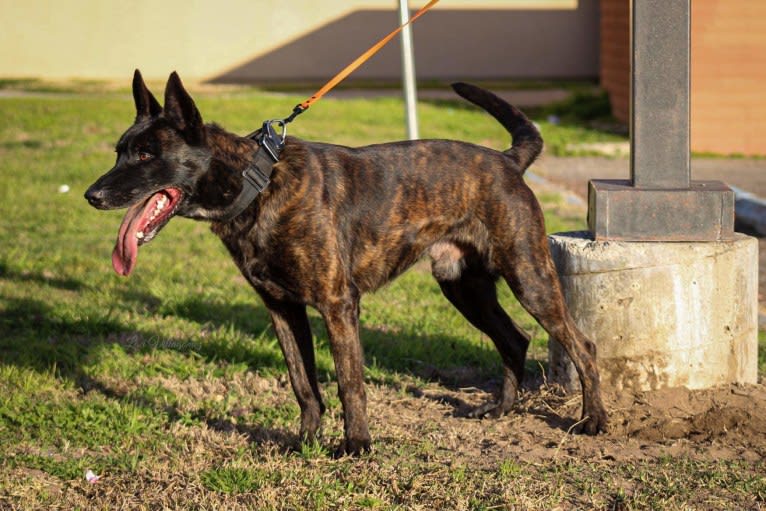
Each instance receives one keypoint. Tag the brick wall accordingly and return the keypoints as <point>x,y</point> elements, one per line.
<point>615,55</point>
<point>728,72</point>
<point>729,76</point>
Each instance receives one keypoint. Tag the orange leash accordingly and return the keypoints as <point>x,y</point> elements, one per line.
<point>364,57</point>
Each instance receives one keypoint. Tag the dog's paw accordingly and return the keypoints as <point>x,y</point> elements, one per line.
<point>310,426</point>
<point>491,410</point>
<point>353,447</point>
<point>593,423</point>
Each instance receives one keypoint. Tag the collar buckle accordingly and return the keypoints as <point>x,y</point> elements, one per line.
<point>257,174</point>
<point>257,178</point>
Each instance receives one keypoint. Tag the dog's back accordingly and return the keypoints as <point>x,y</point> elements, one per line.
<point>391,202</point>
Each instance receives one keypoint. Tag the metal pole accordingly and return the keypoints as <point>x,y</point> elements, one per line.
<point>408,73</point>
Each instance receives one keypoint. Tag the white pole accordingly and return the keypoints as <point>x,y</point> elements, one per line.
<point>408,73</point>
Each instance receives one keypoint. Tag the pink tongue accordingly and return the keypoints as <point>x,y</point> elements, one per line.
<point>126,249</point>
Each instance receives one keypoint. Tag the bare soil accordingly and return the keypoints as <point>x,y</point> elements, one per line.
<point>713,424</point>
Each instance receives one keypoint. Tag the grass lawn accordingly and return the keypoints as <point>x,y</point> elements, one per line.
<point>171,383</point>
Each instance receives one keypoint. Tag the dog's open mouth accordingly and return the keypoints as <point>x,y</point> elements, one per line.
<point>142,222</point>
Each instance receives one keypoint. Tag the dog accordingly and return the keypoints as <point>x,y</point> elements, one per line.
<point>336,222</point>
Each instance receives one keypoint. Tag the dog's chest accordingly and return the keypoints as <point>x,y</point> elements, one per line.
<point>271,263</point>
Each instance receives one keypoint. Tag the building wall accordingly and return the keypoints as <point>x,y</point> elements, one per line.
<point>449,44</point>
<point>205,39</point>
<point>728,72</point>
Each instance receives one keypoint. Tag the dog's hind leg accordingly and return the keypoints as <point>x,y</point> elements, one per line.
<point>472,290</point>
<point>526,264</point>
<point>294,333</point>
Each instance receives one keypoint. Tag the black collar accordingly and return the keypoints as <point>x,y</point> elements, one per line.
<point>255,178</point>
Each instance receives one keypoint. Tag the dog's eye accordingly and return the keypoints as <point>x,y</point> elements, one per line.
<point>144,156</point>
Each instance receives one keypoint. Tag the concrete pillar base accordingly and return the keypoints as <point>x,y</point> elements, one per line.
<point>662,314</point>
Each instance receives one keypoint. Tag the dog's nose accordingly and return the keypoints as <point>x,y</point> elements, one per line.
<point>95,196</point>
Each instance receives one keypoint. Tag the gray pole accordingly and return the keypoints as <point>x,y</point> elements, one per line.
<point>660,202</point>
<point>660,98</point>
<point>408,73</point>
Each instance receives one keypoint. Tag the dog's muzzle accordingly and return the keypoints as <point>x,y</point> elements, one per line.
<point>96,197</point>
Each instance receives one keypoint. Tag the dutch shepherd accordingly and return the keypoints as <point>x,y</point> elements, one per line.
<point>336,222</point>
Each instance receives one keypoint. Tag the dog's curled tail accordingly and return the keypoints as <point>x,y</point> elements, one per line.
<point>527,142</point>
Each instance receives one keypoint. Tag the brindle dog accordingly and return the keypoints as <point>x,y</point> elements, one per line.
<point>336,222</point>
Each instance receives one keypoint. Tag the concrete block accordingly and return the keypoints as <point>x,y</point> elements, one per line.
<point>617,210</point>
<point>662,314</point>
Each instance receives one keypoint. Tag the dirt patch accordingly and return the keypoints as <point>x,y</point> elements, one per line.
<point>723,423</point>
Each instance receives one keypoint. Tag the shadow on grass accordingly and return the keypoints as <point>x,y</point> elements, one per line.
<point>448,360</point>
<point>35,336</point>
<point>32,336</point>
<point>26,277</point>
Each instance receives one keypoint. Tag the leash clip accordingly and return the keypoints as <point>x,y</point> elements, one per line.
<point>269,140</point>
<point>257,175</point>
<point>299,109</point>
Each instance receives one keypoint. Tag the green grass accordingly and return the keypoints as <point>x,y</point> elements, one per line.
<point>762,352</point>
<point>235,479</point>
<point>172,384</point>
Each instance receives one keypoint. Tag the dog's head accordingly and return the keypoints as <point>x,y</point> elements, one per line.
<point>162,159</point>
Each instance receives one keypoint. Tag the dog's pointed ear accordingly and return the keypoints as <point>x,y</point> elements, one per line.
<point>146,104</point>
<point>181,110</point>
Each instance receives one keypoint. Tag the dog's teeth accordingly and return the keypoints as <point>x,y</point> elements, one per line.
<point>159,206</point>
<point>140,235</point>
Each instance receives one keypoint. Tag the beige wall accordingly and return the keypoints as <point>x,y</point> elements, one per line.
<point>449,44</point>
<point>201,39</point>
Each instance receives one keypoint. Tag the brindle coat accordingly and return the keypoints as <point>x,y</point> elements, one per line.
<point>336,222</point>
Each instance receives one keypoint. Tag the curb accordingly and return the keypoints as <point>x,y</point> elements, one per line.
<point>569,196</point>
<point>750,210</point>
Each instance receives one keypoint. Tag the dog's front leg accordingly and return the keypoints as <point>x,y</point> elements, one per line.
<point>342,320</point>
<point>294,333</point>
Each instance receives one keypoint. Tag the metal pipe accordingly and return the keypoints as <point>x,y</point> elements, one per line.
<point>408,73</point>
